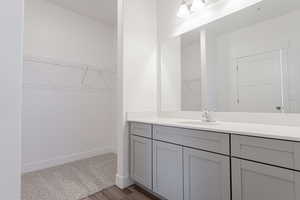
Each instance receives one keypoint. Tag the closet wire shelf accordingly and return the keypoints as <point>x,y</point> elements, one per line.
<point>46,73</point>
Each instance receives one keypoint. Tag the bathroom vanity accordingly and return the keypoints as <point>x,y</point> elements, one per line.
<point>227,161</point>
<point>241,64</point>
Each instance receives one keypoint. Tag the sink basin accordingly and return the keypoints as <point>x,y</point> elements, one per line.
<point>198,123</point>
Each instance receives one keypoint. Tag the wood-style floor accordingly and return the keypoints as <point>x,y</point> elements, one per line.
<point>114,193</point>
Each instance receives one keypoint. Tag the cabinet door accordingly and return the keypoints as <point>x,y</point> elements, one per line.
<point>141,160</point>
<point>206,175</point>
<point>168,170</point>
<point>253,181</point>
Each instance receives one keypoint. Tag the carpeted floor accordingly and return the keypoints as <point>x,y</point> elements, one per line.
<point>72,181</point>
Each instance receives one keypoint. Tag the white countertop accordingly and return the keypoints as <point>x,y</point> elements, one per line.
<point>291,133</point>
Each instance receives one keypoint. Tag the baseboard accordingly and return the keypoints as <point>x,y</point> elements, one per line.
<point>34,166</point>
<point>123,181</point>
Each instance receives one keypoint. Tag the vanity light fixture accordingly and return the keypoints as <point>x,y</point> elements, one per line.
<point>183,11</point>
<point>186,9</point>
<point>197,5</point>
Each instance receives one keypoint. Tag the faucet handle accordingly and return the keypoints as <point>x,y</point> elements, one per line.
<point>207,117</point>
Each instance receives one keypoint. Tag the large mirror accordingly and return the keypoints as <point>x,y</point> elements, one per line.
<point>246,62</point>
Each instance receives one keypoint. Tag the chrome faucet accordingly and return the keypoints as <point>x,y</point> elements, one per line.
<point>206,116</point>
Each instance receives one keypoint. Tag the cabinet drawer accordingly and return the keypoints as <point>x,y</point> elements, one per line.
<point>270,151</point>
<point>141,129</point>
<point>205,140</point>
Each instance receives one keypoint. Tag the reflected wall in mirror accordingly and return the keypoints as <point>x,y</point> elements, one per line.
<point>248,62</point>
<point>181,73</point>
<point>191,72</point>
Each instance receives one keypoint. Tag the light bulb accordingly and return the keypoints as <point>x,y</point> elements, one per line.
<point>183,11</point>
<point>197,5</point>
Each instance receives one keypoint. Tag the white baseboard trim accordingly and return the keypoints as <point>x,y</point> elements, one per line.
<point>123,181</point>
<point>34,166</point>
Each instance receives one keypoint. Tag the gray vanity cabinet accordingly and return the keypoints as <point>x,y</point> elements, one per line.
<point>168,170</point>
<point>141,160</point>
<point>184,164</point>
<point>255,181</point>
<point>206,175</point>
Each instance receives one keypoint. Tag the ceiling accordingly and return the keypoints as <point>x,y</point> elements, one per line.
<point>101,10</point>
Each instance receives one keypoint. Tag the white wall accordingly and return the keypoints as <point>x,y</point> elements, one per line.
<point>61,124</point>
<point>140,55</point>
<point>137,69</point>
<point>52,31</point>
<point>11,21</point>
<point>281,32</point>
